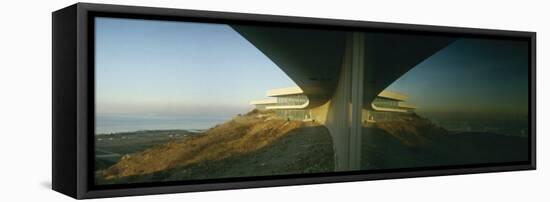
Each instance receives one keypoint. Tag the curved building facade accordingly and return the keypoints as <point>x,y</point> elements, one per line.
<point>291,103</point>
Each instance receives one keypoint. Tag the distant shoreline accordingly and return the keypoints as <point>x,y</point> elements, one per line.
<point>152,131</point>
<point>121,124</point>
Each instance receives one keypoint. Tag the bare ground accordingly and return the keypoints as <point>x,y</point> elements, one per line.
<point>254,144</point>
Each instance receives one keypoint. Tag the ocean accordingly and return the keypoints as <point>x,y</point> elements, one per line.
<point>106,124</point>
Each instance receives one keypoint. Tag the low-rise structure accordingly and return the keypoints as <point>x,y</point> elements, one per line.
<point>291,103</point>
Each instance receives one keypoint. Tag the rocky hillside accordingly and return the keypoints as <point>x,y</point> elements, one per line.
<point>413,141</point>
<point>241,136</point>
<point>257,144</point>
<point>411,130</point>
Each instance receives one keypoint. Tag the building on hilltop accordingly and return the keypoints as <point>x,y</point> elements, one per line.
<point>291,103</point>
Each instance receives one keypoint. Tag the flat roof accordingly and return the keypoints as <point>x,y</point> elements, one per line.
<point>294,90</point>
<point>393,95</point>
<point>264,101</point>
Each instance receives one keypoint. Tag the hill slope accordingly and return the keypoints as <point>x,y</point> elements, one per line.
<point>413,141</point>
<point>257,144</point>
<point>239,147</point>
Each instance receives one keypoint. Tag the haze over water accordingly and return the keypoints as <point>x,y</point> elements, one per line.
<point>106,124</point>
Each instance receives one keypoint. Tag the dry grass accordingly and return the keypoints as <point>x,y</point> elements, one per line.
<point>241,135</point>
<point>411,130</point>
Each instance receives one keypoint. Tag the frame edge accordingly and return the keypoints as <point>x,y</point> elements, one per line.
<point>83,69</point>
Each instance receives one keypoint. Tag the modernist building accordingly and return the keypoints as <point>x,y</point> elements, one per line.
<point>288,103</point>
<point>291,103</point>
<point>386,106</point>
<point>342,72</point>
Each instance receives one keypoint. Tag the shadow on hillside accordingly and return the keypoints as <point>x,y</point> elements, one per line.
<point>382,150</point>
<point>303,150</point>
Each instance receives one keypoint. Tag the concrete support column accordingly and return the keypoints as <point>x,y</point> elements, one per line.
<point>357,68</point>
<point>345,109</point>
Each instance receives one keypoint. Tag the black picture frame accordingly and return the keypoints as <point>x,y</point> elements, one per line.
<point>73,100</point>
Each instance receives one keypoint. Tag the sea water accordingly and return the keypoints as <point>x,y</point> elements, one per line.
<point>106,124</point>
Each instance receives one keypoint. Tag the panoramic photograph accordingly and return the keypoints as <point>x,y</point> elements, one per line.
<point>183,101</point>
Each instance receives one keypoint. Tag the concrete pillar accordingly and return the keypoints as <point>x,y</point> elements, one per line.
<point>357,68</point>
<point>344,112</point>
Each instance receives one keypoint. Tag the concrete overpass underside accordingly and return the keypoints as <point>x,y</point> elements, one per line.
<point>342,72</point>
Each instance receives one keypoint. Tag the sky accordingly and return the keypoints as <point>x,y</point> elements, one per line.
<point>152,67</point>
<point>470,76</point>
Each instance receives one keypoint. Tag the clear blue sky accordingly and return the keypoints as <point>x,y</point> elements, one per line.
<point>163,67</point>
